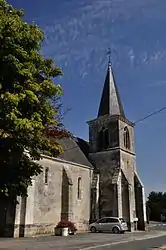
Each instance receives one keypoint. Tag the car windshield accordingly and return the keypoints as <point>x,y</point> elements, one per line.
<point>122,220</point>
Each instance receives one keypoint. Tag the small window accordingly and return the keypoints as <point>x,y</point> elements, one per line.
<point>100,140</point>
<point>106,138</point>
<point>46,176</point>
<point>103,139</point>
<point>126,137</point>
<point>79,188</point>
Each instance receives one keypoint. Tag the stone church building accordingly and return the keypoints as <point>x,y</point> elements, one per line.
<point>88,181</point>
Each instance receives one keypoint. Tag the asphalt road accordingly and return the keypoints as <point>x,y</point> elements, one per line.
<point>150,244</point>
<point>89,241</point>
<point>86,241</point>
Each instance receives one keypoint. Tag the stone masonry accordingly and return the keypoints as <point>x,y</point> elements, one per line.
<point>112,152</point>
<point>44,208</point>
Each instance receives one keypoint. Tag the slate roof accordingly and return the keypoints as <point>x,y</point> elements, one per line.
<point>72,151</point>
<point>84,146</point>
<point>110,103</point>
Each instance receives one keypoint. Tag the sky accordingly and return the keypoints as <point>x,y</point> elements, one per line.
<point>77,37</point>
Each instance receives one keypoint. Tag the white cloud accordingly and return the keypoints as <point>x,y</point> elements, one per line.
<point>131,56</point>
<point>83,36</point>
<point>157,83</point>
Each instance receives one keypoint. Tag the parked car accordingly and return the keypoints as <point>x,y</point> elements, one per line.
<point>109,224</point>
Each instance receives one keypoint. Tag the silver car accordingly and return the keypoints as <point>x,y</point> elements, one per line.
<point>109,224</point>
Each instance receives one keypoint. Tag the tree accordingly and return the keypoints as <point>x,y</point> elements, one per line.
<point>29,110</point>
<point>156,205</point>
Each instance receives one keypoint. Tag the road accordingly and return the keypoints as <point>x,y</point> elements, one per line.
<point>88,241</point>
<point>150,244</point>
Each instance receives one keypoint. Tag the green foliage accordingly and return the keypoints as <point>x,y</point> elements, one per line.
<point>27,102</point>
<point>156,205</point>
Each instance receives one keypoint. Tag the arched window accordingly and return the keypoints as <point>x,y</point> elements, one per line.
<point>126,138</point>
<point>106,138</point>
<point>103,139</point>
<point>128,164</point>
<point>46,176</point>
<point>100,140</point>
<point>79,188</point>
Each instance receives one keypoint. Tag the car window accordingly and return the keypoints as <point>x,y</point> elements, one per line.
<point>122,220</point>
<point>112,220</point>
<point>102,220</point>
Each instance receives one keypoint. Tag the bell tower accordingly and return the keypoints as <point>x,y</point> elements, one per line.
<point>111,129</point>
<point>112,152</point>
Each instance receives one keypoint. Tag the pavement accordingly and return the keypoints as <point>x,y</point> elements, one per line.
<point>154,239</point>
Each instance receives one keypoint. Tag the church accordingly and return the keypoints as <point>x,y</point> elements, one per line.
<point>88,181</point>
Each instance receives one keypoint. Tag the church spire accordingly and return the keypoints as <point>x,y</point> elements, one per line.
<point>110,103</point>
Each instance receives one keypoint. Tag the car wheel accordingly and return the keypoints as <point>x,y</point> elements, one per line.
<point>116,230</point>
<point>93,229</point>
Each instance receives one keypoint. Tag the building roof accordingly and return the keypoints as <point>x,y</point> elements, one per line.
<point>110,103</point>
<point>73,152</point>
<point>84,146</point>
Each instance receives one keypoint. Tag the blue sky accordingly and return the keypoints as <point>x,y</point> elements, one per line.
<point>78,34</point>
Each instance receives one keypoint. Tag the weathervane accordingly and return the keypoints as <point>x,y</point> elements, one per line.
<point>109,56</point>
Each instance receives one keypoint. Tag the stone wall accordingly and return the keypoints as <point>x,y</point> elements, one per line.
<point>43,208</point>
<point>107,165</point>
<point>122,126</point>
<point>96,133</point>
<point>95,196</point>
<point>115,164</point>
<point>128,166</point>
